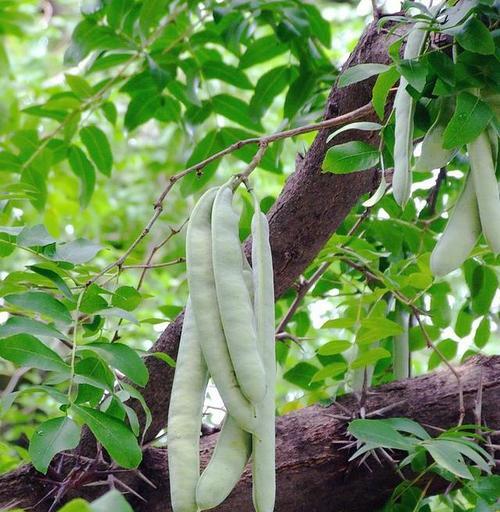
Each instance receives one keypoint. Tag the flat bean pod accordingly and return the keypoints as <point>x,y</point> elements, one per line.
<point>404,108</point>
<point>206,312</point>
<point>228,461</point>
<point>235,304</point>
<point>460,234</point>
<point>184,418</point>
<point>433,155</point>
<point>486,186</point>
<point>264,473</point>
<point>401,348</point>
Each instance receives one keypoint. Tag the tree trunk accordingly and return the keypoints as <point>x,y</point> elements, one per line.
<point>313,473</point>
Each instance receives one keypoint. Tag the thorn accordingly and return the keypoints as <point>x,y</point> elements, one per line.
<point>383,410</point>
<point>129,489</point>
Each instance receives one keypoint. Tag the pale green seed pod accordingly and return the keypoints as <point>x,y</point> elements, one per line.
<point>460,234</point>
<point>233,449</point>
<point>404,109</point>
<point>184,418</point>
<point>486,186</point>
<point>433,155</point>
<point>206,312</point>
<point>264,473</point>
<point>235,304</point>
<point>228,461</point>
<point>401,348</point>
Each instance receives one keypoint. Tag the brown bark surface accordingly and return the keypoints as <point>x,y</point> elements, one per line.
<point>313,473</point>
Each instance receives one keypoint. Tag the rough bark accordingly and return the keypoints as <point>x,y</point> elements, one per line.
<point>313,473</point>
<point>310,208</point>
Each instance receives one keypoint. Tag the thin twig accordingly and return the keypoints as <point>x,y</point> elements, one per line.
<point>155,265</point>
<point>263,142</point>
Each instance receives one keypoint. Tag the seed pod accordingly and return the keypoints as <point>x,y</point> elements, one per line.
<point>460,234</point>
<point>264,474</point>
<point>184,418</point>
<point>433,155</point>
<point>401,348</point>
<point>206,312</point>
<point>404,108</point>
<point>486,186</point>
<point>235,304</point>
<point>228,461</point>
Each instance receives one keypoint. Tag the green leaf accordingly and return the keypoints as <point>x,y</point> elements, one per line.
<point>126,297</point>
<point>151,12</point>
<point>380,433</point>
<point>42,303</point>
<point>214,69</point>
<point>110,112</point>
<point>98,147</point>
<point>475,37</point>
<point>447,348</point>
<point>21,324</point>
<point>235,110</point>
<point>52,437</point>
<point>112,501</point>
<point>54,277</point>
<point>408,426</point>
<point>362,125</point>
<point>119,313</point>
<point>78,251</point>
<point>339,323</point>
<point>116,12</point>
<point>35,236</point>
<point>114,435</point>
<point>483,332</point>
<point>370,357</point>
<point>163,356</point>
<point>464,321</point>
<point>141,109</point>
<point>484,289</point>
<point>89,36</point>
<point>261,50</point>
<point>415,72</point>
<point>448,456</point>
<point>135,393</point>
<point>471,117</point>
<point>85,171</point>
<point>79,86</point>
<point>26,350</point>
<point>301,89</point>
<point>76,505</point>
<point>376,329</point>
<point>122,358</point>
<point>350,157</point>
<point>301,375</point>
<point>360,72</point>
<point>320,27</point>
<point>385,81</point>
<point>269,86</point>
<point>97,370</point>
<point>329,372</point>
<point>334,347</point>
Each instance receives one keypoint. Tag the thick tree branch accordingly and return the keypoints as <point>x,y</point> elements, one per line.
<point>313,473</point>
